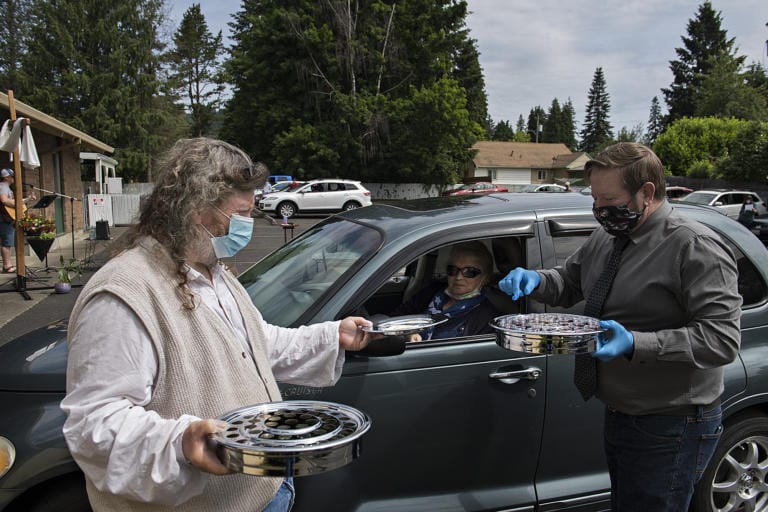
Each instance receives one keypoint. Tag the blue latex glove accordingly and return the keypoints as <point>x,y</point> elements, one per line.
<point>617,341</point>
<point>520,282</point>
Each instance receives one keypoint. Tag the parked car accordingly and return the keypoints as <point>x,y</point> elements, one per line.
<point>274,179</point>
<point>317,196</point>
<point>675,192</point>
<point>481,187</point>
<point>728,201</point>
<point>544,187</point>
<point>458,424</point>
<point>285,186</point>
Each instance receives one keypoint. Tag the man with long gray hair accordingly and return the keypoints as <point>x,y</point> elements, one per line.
<point>184,344</point>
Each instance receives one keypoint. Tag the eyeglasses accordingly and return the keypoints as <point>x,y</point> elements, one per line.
<point>470,272</point>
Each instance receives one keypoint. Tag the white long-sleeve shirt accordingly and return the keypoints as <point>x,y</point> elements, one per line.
<point>111,435</point>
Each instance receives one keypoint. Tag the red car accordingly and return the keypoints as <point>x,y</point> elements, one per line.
<point>481,187</point>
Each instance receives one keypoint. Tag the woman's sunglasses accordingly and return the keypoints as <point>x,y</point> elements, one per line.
<point>470,272</point>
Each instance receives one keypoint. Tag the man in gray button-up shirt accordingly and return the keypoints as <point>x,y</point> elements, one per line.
<point>672,321</point>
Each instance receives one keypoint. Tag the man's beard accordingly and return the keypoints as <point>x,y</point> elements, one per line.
<point>201,249</point>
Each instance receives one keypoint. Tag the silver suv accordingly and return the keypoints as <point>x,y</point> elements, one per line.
<point>317,196</point>
<point>729,201</point>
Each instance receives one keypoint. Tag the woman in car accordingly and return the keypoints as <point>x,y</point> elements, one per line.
<point>463,300</point>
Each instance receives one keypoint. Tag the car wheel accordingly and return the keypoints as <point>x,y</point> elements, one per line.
<point>736,475</point>
<point>286,209</point>
<point>351,205</point>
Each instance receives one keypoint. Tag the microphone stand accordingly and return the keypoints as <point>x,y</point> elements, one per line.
<point>71,213</point>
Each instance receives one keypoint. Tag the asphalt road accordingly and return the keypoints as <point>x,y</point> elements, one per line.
<point>19,316</point>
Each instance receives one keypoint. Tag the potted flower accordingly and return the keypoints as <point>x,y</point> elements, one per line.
<point>65,273</point>
<point>35,225</point>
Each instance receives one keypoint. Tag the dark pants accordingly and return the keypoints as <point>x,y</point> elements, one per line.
<point>655,460</point>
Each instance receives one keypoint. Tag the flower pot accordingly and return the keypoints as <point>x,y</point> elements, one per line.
<point>62,287</point>
<point>40,246</point>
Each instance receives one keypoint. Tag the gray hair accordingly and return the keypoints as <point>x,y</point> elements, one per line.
<point>194,174</point>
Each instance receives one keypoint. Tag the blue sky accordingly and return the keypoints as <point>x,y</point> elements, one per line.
<point>532,51</point>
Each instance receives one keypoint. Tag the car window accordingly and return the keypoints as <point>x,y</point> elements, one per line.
<point>287,282</point>
<point>700,197</point>
<point>752,286</point>
<point>412,288</point>
<point>567,245</point>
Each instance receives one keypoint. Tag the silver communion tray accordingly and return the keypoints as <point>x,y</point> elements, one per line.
<point>406,324</point>
<point>291,438</point>
<point>547,333</point>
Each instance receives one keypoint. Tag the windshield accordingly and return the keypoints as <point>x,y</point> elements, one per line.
<point>287,282</point>
<point>698,197</point>
<point>530,188</point>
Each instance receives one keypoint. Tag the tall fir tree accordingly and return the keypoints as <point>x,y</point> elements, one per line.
<point>597,131</point>
<point>95,65</point>
<point>706,42</point>
<point>337,88</point>
<point>536,118</point>
<point>725,92</point>
<point>568,125</point>
<point>655,122</point>
<point>551,131</point>
<point>503,131</point>
<point>15,29</point>
<point>521,132</point>
<point>196,69</point>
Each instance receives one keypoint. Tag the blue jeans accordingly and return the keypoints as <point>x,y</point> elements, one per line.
<point>655,460</point>
<point>283,500</point>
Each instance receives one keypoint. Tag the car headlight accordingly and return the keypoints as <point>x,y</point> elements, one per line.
<point>7,455</point>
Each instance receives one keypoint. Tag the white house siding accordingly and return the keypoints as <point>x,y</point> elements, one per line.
<point>512,176</point>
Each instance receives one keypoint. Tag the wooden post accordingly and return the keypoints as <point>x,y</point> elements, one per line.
<point>21,283</point>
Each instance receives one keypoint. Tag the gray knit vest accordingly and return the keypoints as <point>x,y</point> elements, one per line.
<point>202,368</point>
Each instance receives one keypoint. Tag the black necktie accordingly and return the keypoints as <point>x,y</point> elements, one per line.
<point>585,370</point>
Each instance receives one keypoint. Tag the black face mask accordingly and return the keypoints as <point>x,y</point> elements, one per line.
<point>617,220</point>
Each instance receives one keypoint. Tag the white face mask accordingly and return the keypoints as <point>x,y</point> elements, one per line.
<point>239,235</point>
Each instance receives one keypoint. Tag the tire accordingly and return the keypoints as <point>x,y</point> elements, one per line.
<point>734,479</point>
<point>351,205</point>
<point>286,209</point>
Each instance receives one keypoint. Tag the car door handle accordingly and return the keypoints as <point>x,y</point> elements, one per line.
<point>511,377</point>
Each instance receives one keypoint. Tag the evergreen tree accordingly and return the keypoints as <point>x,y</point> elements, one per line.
<point>655,122</point>
<point>597,131</point>
<point>521,133</point>
<point>536,118</point>
<point>706,41</point>
<point>196,74</point>
<point>568,125</point>
<point>724,92</point>
<point>634,134</point>
<point>95,66</point>
<point>334,87</point>
<point>551,131</point>
<point>503,131</point>
<point>14,31</point>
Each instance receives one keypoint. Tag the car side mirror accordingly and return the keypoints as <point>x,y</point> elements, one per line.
<point>718,203</point>
<point>386,346</point>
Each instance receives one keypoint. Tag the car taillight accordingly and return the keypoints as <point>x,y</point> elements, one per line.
<point>366,193</point>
